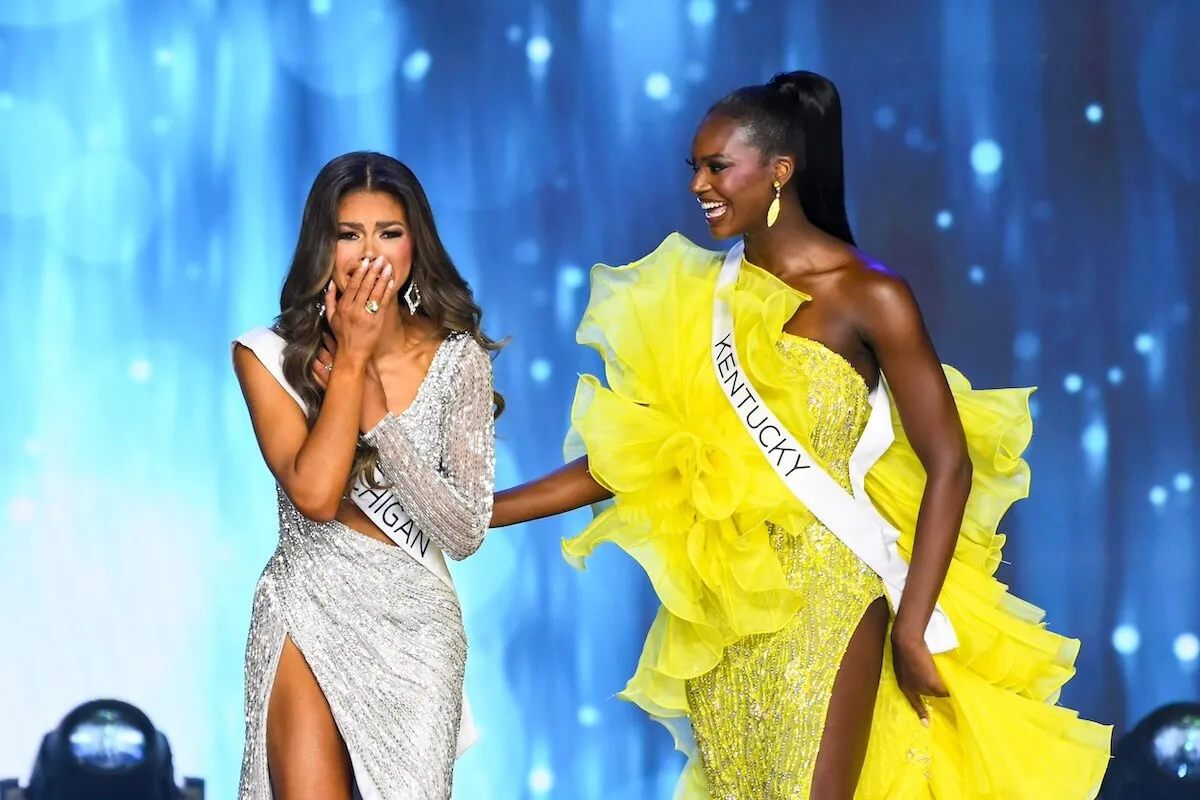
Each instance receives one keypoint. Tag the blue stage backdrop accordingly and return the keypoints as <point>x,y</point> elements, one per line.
<point>1030,166</point>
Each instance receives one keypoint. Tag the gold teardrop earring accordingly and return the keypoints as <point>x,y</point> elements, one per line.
<point>773,209</point>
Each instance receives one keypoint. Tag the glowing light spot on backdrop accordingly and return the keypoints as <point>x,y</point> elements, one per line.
<point>658,86</point>
<point>416,65</point>
<point>986,157</point>
<point>540,370</point>
<point>1158,496</point>
<point>541,781</point>
<point>1187,648</point>
<point>701,13</point>
<point>140,370</point>
<point>1095,440</point>
<point>1126,640</point>
<point>538,50</point>
<point>1027,345</point>
<point>885,117</point>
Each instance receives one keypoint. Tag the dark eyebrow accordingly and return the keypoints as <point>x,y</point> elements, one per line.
<point>387,223</point>
<point>714,155</point>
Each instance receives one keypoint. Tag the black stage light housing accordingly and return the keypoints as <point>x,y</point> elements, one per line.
<point>104,750</point>
<point>1159,759</point>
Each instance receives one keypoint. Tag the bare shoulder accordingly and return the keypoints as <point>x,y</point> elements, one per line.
<point>877,294</point>
<point>252,347</point>
<point>268,396</point>
<point>877,285</point>
<point>247,366</point>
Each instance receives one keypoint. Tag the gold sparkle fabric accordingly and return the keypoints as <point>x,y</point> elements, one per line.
<point>758,716</point>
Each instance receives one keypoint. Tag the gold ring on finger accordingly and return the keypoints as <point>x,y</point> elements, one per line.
<point>372,306</point>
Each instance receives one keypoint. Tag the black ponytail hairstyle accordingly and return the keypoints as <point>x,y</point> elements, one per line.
<point>799,114</point>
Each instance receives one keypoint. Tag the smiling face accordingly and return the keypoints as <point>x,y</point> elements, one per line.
<point>371,224</point>
<point>732,179</point>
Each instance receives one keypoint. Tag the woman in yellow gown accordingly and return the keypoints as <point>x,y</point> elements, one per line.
<point>779,659</point>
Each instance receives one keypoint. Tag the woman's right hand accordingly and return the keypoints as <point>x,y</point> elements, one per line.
<point>354,327</point>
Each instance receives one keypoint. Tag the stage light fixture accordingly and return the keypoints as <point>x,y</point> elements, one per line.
<point>104,750</point>
<point>1159,759</point>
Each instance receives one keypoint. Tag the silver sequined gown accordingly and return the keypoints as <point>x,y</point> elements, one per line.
<point>383,635</point>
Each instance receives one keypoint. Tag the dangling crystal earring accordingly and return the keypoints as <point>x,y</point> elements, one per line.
<point>773,209</point>
<point>412,296</point>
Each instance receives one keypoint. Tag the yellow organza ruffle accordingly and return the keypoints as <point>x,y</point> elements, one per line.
<point>693,496</point>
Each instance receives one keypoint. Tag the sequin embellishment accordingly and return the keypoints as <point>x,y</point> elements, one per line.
<point>759,715</point>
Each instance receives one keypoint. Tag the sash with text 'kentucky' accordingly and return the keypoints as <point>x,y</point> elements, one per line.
<point>852,517</point>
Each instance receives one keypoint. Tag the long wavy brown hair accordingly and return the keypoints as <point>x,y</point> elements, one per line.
<point>446,298</point>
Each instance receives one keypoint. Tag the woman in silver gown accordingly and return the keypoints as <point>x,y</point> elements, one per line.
<point>372,401</point>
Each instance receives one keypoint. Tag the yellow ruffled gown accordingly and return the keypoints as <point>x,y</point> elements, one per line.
<point>759,599</point>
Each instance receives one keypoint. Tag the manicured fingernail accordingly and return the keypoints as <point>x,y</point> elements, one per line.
<point>365,262</point>
<point>925,722</point>
<point>329,288</point>
<point>387,270</point>
<point>391,284</point>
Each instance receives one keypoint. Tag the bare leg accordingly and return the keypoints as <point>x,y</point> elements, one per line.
<point>851,706</point>
<point>306,756</point>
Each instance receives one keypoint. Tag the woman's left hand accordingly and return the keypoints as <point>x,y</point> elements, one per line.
<point>915,672</point>
<point>322,365</point>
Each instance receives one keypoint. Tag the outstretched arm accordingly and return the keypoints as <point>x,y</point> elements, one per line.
<point>566,489</point>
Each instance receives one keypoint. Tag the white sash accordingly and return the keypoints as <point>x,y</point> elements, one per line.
<point>381,506</point>
<point>852,517</point>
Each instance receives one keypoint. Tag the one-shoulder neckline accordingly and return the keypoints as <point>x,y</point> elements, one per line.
<point>807,298</point>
